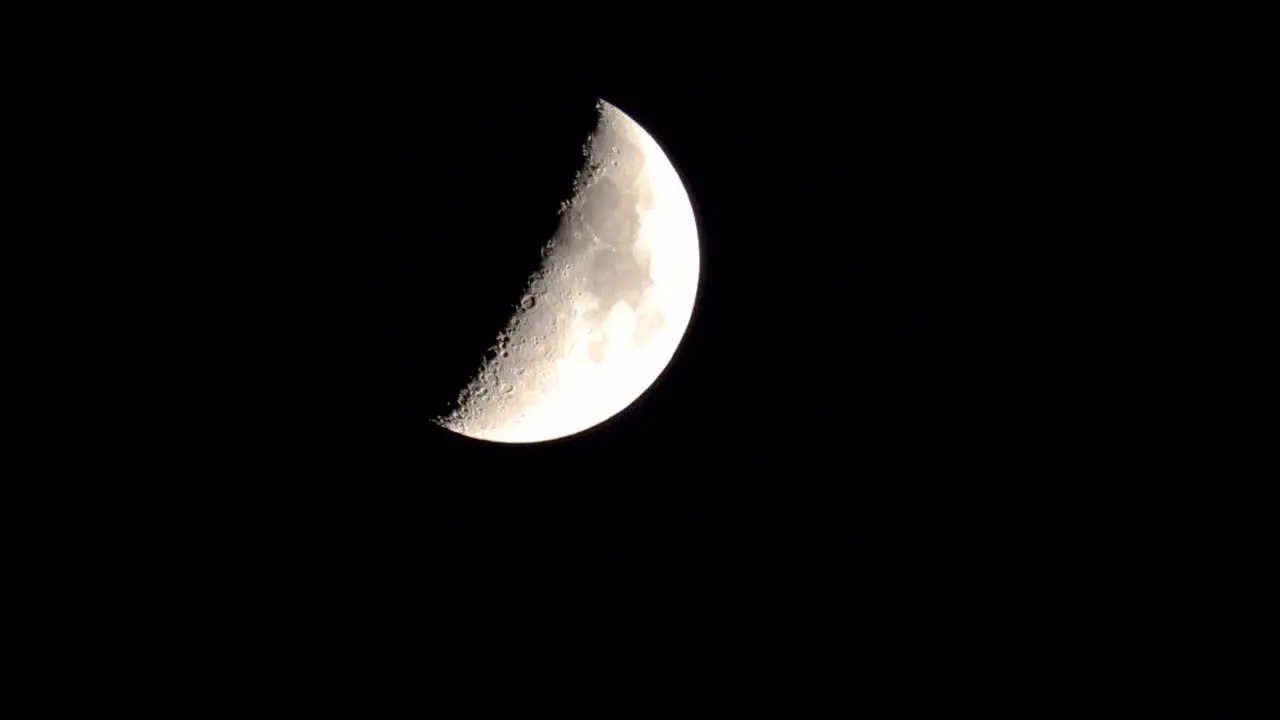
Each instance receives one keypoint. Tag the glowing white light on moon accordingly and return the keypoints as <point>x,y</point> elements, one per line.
<point>604,315</point>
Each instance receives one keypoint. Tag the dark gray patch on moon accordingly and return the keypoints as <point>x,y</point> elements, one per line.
<point>612,222</point>
<point>598,349</point>
<point>648,324</point>
<point>601,230</point>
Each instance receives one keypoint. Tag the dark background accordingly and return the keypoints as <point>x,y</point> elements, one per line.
<point>798,475</point>
<point>814,469</point>
<point>896,449</point>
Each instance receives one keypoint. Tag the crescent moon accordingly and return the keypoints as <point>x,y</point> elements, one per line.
<point>603,315</point>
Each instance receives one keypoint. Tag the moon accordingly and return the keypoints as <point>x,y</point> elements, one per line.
<point>603,315</point>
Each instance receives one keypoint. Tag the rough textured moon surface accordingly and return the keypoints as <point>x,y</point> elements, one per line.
<point>603,315</point>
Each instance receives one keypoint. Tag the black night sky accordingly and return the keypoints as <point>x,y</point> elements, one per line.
<point>802,473</point>
<point>885,455</point>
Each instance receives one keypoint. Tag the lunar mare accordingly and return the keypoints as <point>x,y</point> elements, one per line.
<point>604,314</point>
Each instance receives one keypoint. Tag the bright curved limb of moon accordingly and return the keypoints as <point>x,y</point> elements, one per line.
<point>602,317</point>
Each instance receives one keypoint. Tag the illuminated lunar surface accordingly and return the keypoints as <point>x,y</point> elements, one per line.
<point>603,315</point>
